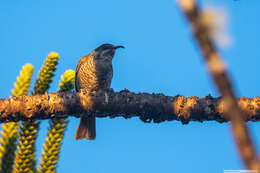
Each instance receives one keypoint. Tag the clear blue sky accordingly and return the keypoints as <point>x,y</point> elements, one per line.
<point>160,57</point>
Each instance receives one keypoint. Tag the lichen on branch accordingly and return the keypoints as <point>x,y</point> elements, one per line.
<point>107,103</point>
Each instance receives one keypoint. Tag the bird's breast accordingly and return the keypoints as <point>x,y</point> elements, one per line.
<point>94,75</point>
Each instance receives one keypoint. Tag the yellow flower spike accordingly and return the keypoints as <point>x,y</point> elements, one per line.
<point>21,87</point>
<point>29,130</point>
<point>53,55</point>
<point>52,145</point>
<point>10,130</point>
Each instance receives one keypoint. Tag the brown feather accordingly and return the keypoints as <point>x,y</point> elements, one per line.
<point>86,128</point>
<point>94,72</point>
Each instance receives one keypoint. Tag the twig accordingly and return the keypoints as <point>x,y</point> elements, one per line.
<point>219,75</point>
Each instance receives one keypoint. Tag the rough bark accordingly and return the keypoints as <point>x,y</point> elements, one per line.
<point>107,103</point>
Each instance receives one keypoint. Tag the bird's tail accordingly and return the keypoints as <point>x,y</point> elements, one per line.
<point>86,128</point>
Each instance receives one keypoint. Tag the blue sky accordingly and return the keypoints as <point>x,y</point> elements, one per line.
<point>160,57</point>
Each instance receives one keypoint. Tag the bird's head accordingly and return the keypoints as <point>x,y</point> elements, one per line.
<point>105,51</point>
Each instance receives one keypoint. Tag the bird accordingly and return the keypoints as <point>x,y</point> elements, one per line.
<point>94,72</point>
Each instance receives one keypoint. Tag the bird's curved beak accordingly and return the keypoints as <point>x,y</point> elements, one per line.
<point>116,47</point>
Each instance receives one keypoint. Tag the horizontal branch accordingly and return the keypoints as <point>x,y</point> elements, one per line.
<point>107,103</point>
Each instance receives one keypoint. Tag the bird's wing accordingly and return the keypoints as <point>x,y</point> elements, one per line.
<point>83,59</point>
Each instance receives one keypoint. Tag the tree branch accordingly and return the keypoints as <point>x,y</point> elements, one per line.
<point>107,103</point>
<point>219,74</point>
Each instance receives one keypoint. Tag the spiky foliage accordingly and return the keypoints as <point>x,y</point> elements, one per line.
<point>25,157</point>
<point>67,81</point>
<point>22,85</point>
<point>52,145</point>
<point>10,130</point>
<point>45,76</point>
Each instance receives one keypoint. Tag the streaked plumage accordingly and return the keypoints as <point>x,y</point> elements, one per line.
<point>94,72</point>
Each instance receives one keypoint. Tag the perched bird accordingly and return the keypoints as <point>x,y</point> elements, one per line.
<point>94,72</point>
